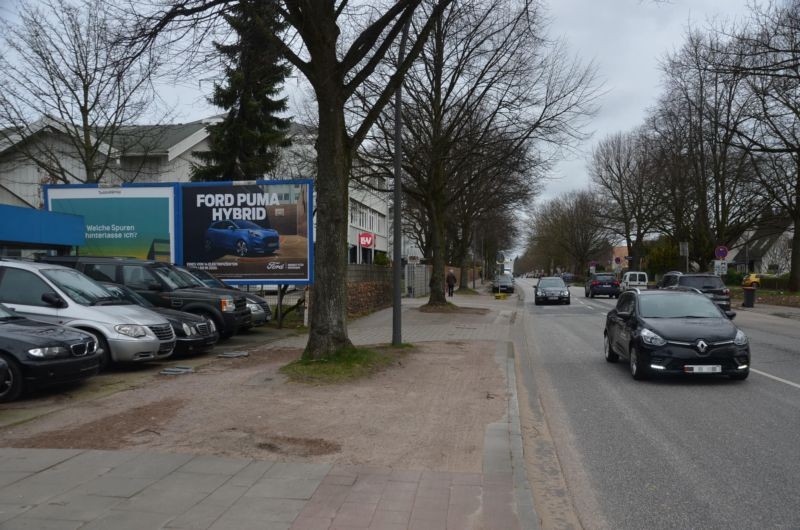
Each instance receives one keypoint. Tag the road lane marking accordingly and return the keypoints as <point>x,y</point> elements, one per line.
<point>776,378</point>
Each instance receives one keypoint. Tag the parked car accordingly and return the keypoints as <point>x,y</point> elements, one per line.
<point>503,283</point>
<point>709,284</point>
<point>259,308</point>
<point>633,280</point>
<point>602,283</point>
<point>551,289</point>
<point>755,280</point>
<point>242,238</point>
<point>668,279</point>
<point>60,295</point>
<point>568,277</point>
<point>164,286</point>
<point>194,333</point>
<point>675,332</point>
<point>36,354</point>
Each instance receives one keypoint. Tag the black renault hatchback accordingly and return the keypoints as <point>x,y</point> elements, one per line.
<point>39,354</point>
<point>675,332</point>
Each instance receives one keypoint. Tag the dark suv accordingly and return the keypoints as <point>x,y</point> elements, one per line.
<point>602,283</point>
<point>163,285</point>
<point>669,279</point>
<point>710,285</point>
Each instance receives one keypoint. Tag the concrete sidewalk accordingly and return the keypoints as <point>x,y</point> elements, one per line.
<point>88,489</point>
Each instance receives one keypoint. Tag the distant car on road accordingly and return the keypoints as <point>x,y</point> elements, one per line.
<point>568,277</point>
<point>674,332</point>
<point>602,283</point>
<point>710,285</point>
<point>668,279</point>
<point>755,280</point>
<point>551,289</point>
<point>243,238</point>
<point>503,283</point>
<point>633,280</point>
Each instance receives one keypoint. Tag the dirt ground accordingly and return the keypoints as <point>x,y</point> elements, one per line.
<point>427,411</point>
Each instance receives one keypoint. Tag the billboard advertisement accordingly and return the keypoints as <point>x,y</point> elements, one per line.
<point>134,222</point>
<point>249,233</point>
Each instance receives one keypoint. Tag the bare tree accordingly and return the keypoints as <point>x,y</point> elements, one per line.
<point>488,84</point>
<point>630,205</point>
<point>337,46</point>
<point>62,74</point>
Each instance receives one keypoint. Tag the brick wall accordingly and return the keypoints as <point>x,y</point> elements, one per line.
<point>366,297</point>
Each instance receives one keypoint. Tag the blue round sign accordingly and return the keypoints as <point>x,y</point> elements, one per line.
<point>721,252</point>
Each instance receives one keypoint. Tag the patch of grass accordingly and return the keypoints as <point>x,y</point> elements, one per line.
<point>345,365</point>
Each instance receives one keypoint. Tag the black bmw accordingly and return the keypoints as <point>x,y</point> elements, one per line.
<point>675,332</point>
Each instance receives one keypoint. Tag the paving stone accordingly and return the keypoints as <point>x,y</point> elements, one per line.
<point>31,523</point>
<point>251,474</point>
<point>128,520</point>
<point>384,517</point>
<point>257,512</point>
<point>98,459</point>
<point>9,511</point>
<point>10,477</point>
<point>354,515</point>
<point>405,476</point>
<point>226,495</point>
<point>283,488</point>
<point>32,491</point>
<point>170,502</point>
<point>106,486</point>
<point>214,465</point>
<point>190,482</point>
<point>73,507</point>
<point>311,523</point>
<point>33,460</point>
<point>151,465</point>
<point>199,516</point>
<point>297,470</point>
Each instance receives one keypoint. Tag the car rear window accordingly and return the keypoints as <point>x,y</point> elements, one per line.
<point>605,278</point>
<point>702,282</point>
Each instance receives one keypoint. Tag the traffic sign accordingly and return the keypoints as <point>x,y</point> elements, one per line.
<point>617,260</point>
<point>629,258</point>
<point>721,252</point>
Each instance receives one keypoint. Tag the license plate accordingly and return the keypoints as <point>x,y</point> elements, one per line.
<point>702,369</point>
<point>552,298</point>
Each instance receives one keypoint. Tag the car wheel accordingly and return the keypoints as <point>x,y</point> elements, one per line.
<point>741,376</point>
<point>638,370</point>
<point>241,248</point>
<point>102,343</point>
<point>586,294</point>
<point>11,386</point>
<point>611,355</point>
<point>568,301</point>
<point>591,294</point>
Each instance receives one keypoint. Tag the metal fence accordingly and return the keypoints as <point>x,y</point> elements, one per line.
<point>360,273</point>
<point>418,279</point>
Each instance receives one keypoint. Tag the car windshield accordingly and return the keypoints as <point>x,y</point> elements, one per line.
<point>551,282</point>
<point>250,225</point>
<point>605,278</point>
<point>682,305</point>
<point>172,277</point>
<point>191,278</point>
<point>702,282</point>
<point>125,294</point>
<point>78,286</point>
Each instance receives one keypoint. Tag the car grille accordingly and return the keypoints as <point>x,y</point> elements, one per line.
<point>166,347</point>
<point>202,329</point>
<point>84,348</point>
<point>163,332</point>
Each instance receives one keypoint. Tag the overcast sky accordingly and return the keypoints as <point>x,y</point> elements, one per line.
<point>626,39</point>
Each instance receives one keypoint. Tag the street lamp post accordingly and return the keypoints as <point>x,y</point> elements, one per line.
<point>397,336</point>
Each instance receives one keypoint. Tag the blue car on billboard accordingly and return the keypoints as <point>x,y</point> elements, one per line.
<point>243,238</point>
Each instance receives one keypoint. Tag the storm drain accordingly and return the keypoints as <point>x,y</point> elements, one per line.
<point>177,370</point>
<point>233,354</point>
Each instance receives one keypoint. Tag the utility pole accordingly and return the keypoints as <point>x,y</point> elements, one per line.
<point>397,335</point>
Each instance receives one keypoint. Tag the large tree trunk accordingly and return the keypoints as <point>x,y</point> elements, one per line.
<point>437,245</point>
<point>328,315</point>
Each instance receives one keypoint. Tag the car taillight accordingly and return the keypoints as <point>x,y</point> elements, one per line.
<point>616,284</point>
<point>595,282</point>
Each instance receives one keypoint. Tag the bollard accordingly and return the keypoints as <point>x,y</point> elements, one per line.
<point>749,296</point>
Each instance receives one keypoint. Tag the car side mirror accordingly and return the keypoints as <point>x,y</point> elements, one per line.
<point>730,314</point>
<point>54,300</point>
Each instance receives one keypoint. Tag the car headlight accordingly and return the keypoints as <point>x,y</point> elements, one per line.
<point>211,326</point>
<point>254,308</point>
<point>189,330</point>
<point>227,305</point>
<point>565,293</point>
<point>254,234</point>
<point>740,339</point>
<point>131,330</point>
<point>648,337</point>
<point>48,351</point>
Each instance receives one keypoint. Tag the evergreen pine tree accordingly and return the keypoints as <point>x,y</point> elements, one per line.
<point>243,146</point>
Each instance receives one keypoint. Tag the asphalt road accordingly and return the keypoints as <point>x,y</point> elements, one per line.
<point>674,452</point>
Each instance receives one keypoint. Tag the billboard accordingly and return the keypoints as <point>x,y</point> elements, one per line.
<point>133,222</point>
<point>249,232</point>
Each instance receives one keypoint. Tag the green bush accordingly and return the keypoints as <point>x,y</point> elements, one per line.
<point>381,259</point>
<point>734,277</point>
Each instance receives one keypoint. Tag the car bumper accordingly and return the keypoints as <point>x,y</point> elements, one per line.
<point>263,246</point>
<point>236,320</point>
<point>605,291</point>
<point>57,371</point>
<point>186,345</point>
<point>678,359</point>
<point>140,350</point>
<point>560,299</point>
